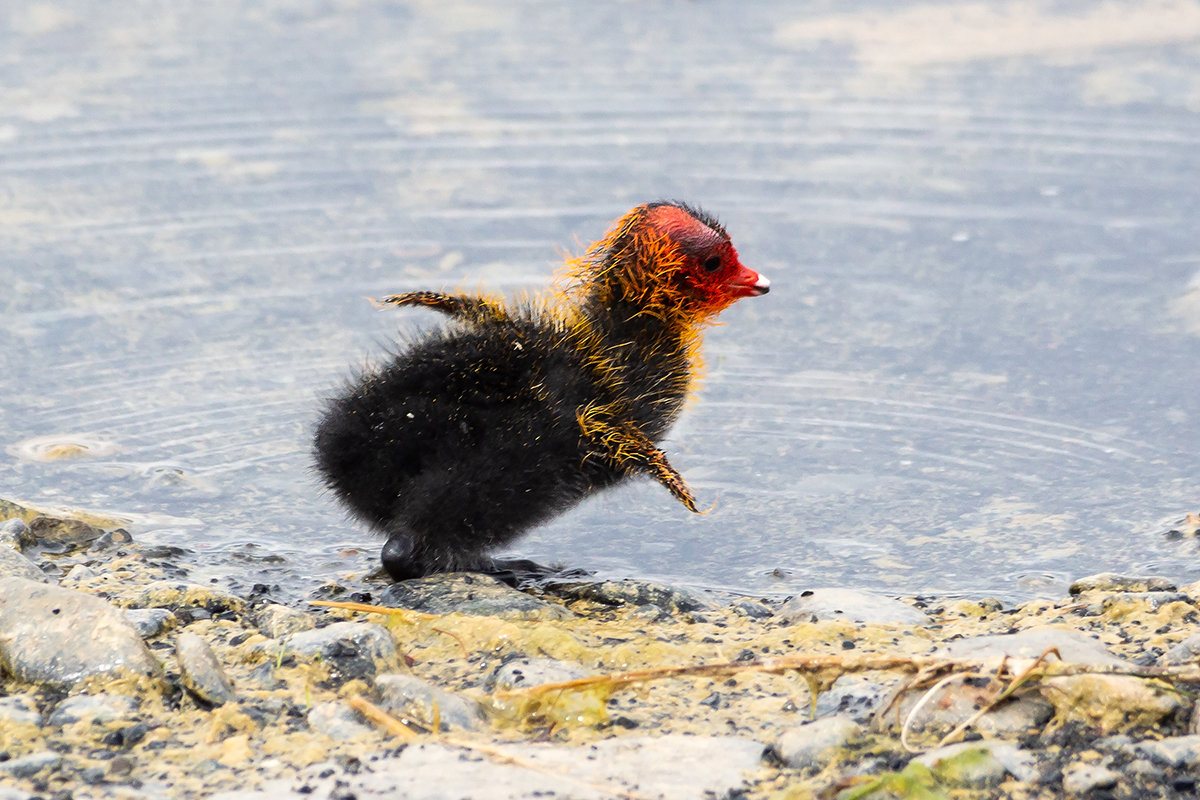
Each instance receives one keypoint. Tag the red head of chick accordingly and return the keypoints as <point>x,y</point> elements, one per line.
<point>515,412</point>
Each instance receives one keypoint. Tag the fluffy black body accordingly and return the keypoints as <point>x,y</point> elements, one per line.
<point>472,435</point>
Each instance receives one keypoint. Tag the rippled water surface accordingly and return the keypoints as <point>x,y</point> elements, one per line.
<point>976,371</point>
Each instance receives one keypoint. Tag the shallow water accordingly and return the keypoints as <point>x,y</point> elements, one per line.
<point>976,371</point>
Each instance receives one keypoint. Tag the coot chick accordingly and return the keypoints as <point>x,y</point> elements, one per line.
<point>516,411</point>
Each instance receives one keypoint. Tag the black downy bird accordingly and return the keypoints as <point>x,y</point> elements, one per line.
<point>515,412</point>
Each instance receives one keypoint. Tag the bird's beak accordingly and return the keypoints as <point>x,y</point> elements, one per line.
<point>749,283</point>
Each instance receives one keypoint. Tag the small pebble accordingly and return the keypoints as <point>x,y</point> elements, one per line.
<point>32,764</point>
<point>1083,779</point>
<point>101,708</point>
<point>813,745</point>
<point>19,710</point>
<point>15,533</point>
<point>201,672</point>
<point>407,696</point>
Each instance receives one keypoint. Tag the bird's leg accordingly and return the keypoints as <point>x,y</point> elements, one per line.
<point>622,444</point>
<point>471,308</point>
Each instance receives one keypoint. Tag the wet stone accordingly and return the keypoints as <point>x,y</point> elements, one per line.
<point>277,621</point>
<point>521,673</point>
<point>179,596</point>
<point>55,636</point>
<point>32,764</point>
<point>111,539</point>
<point>350,649</point>
<point>850,605</point>
<point>753,610</point>
<point>15,533</point>
<point>337,721</point>
<point>73,533</point>
<point>19,710</point>
<point>1112,582</point>
<point>408,696</point>
<point>671,599</point>
<point>94,708</point>
<point>815,744</point>
<point>13,564</point>
<point>468,593</point>
<point>149,622</point>
<point>202,674</point>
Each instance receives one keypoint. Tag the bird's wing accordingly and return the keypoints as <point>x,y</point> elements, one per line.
<point>465,307</point>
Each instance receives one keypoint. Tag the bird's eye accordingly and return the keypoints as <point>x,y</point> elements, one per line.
<point>711,264</point>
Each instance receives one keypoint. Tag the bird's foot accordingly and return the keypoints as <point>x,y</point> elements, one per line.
<point>519,572</point>
<point>400,560</point>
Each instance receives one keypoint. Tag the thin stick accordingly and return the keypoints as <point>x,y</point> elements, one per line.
<point>393,725</point>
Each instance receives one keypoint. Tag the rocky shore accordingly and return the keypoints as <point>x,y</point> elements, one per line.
<point>123,676</point>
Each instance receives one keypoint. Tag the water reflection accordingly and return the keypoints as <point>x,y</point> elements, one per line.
<point>971,374</point>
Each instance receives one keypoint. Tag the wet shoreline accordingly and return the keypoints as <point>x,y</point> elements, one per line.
<point>126,676</point>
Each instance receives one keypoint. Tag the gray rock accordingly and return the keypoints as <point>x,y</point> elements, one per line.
<point>15,565</point>
<point>177,595</point>
<point>111,539</point>
<point>337,721</point>
<point>1080,779</point>
<point>70,532</point>
<point>983,762</point>
<point>1185,652</point>
<point>411,697</point>
<point>855,696</point>
<point>351,649</point>
<point>957,702</point>
<point>10,793</point>
<point>277,621</point>
<point>521,673</point>
<point>677,767</point>
<point>55,636</point>
<point>14,533</point>
<point>201,672</point>
<point>95,708</point>
<point>1112,582</point>
<point>76,575</point>
<point>1153,599</point>
<point>150,622</point>
<point>753,610</point>
<point>650,613</point>
<point>1074,646</point>
<point>469,593</point>
<point>1177,751</point>
<point>814,745</point>
<point>19,710</point>
<point>817,605</point>
<point>32,764</point>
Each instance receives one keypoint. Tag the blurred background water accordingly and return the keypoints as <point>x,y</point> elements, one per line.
<point>976,371</point>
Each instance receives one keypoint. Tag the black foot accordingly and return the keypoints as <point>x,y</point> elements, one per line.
<point>517,572</point>
<point>399,560</point>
